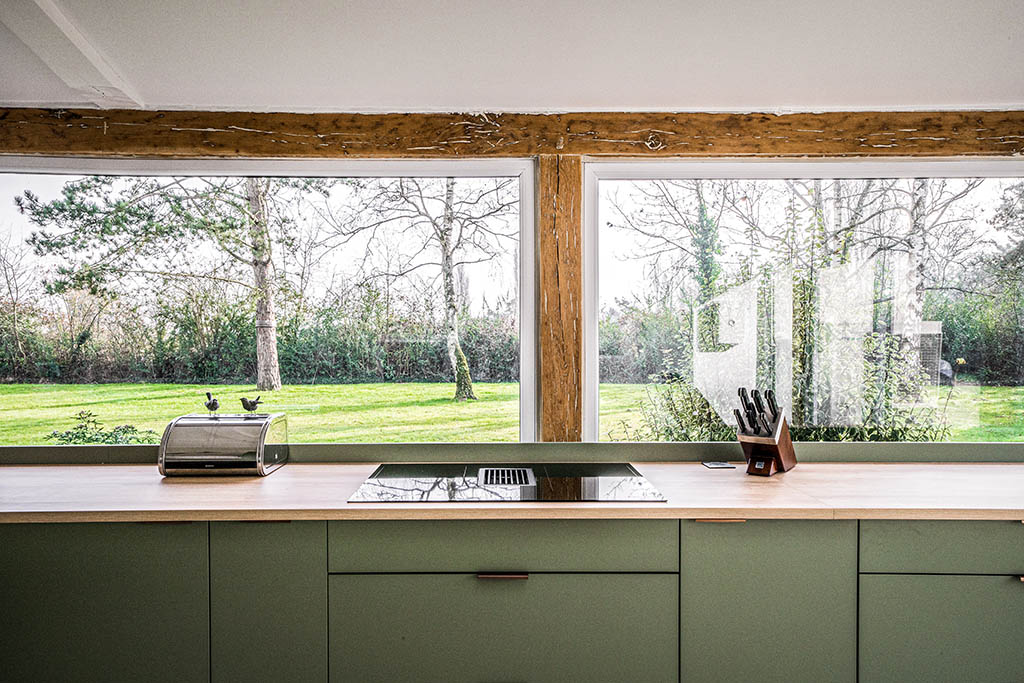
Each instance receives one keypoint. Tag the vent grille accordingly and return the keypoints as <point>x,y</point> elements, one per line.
<point>505,476</point>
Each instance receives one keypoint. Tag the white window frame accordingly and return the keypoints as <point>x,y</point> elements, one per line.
<point>523,169</point>
<point>595,170</point>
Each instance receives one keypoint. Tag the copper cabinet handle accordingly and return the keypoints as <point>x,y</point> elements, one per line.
<point>720,521</point>
<point>503,575</point>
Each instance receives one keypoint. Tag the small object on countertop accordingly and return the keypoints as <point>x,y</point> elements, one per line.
<point>251,404</point>
<point>766,443</point>
<point>212,404</point>
<point>236,445</point>
<point>719,465</point>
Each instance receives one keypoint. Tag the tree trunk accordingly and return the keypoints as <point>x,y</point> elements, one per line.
<point>911,310</point>
<point>459,364</point>
<point>268,372</point>
<point>810,401</point>
<point>705,272</point>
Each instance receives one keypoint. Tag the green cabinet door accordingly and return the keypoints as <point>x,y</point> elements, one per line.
<point>941,547</point>
<point>768,601</point>
<point>458,627</point>
<point>941,628</point>
<point>552,545</point>
<point>268,607</point>
<point>104,602</point>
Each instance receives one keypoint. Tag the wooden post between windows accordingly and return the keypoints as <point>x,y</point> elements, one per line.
<point>560,296</point>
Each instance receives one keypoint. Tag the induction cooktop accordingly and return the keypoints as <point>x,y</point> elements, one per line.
<point>456,483</point>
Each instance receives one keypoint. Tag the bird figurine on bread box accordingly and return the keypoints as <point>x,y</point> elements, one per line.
<point>251,404</point>
<point>763,434</point>
<point>212,404</point>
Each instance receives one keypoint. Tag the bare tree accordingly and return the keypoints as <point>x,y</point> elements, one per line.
<point>436,225</point>
<point>268,371</point>
<point>18,281</point>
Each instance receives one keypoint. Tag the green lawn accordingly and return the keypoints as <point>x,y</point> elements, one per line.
<point>400,412</point>
<point>316,413</point>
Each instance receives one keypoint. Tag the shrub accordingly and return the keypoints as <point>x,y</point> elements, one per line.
<point>677,411</point>
<point>88,430</point>
<point>637,342</point>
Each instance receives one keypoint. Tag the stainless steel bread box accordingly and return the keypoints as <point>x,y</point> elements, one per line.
<point>224,444</point>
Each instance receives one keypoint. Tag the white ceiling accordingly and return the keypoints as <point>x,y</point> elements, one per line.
<point>516,55</point>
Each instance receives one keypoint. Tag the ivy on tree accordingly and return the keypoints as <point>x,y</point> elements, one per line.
<point>104,229</point>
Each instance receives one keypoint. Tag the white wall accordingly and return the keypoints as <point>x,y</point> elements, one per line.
<point>541,55</point>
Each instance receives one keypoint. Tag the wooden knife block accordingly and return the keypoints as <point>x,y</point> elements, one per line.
<point>766,455</point>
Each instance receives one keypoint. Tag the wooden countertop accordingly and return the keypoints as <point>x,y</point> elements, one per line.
<point>137,493</point>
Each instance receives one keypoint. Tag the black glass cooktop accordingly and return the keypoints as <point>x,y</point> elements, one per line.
<point>453,483</point>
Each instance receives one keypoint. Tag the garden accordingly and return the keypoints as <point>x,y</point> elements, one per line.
<point>385,309</point>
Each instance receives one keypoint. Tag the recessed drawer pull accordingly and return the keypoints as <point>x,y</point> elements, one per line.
<point>503,575</point>
<point>720,521</point>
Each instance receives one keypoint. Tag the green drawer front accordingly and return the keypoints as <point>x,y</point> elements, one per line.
<point>940,547</point>
<point>104,602</point>
<point>500,545</point>
<point>941,628</point>
<point>457,627</point>
<point>268,608</point>
<point>768,601</point>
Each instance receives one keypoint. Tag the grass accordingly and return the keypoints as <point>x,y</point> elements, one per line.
<point>402,412</point>
<point>316,413</point>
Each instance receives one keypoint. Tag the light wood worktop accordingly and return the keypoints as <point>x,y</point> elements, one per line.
<point>135,493</point>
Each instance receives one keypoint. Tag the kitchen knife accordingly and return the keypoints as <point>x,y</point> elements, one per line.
<point>755,428</point>
<point>745,400</point>
<point>767,425</point>
<point>758,403</point>
<point>770,395</point>
<point>739,421</point>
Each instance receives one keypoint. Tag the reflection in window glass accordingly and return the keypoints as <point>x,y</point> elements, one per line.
<point>877,309</point>
<point>367,309</point>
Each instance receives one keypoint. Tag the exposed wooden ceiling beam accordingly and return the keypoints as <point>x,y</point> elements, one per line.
<point>46,29</point>
<point>192,134</point>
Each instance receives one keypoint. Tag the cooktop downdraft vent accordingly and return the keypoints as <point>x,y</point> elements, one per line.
<point>505,476</point>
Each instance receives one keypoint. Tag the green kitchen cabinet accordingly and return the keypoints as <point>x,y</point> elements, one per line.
<point>104,602</point>
<point>940,628</point>
<point>941,547</point>
<point>268,606</point>
<point>563,545</point>
<point>460,627</point>
<point>768,601</point>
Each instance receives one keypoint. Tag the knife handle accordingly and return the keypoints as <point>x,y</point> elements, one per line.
<point>739,421</point>
<point>755,428</point>
<point>758,403</point>
<point>745,400</point>
<point>770,395</point>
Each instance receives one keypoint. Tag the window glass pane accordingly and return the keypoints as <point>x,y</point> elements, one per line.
<point>351,304</point>
<point>875,309</point>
